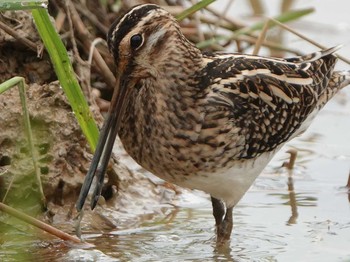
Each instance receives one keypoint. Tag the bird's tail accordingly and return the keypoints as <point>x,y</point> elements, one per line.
<point>338,80</point>
<point>315,55</point>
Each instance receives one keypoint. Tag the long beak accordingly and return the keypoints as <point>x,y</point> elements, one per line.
<point>105,143</point>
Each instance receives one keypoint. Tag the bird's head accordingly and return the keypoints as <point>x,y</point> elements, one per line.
<point>143,40</point>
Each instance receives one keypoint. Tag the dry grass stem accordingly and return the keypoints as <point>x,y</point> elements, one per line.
<point>306,38</point>
<point>261,38</point>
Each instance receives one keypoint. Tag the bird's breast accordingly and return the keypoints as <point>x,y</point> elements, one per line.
<point>169,135</point>
<point>180,140</point>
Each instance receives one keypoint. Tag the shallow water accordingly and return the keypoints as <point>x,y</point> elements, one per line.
<point>272,222</point>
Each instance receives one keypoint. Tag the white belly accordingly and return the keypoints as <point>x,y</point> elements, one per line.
<point>230,185</point>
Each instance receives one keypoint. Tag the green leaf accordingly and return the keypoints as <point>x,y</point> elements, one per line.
<point>194,9</point>
<point>66,75</point>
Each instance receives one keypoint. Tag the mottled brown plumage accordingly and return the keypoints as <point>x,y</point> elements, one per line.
<point>205,121</point>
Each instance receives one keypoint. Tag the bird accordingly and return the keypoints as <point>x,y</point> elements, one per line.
<point>201,120</point>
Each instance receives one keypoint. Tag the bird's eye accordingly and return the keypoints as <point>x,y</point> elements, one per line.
<point>136,41</point>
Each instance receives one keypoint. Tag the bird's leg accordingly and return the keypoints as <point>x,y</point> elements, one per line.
<point>218,211</point>
<point>225,228</point>
<point>223,224</point>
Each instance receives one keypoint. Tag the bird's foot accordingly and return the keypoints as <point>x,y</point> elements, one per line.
<point>223,232</point>
<point>223,221</point>
<point>224,229</point>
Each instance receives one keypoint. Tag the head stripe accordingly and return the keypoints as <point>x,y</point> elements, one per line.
<point>124,24</point>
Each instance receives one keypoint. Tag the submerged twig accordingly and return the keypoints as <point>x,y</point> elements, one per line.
<point>37,223</point>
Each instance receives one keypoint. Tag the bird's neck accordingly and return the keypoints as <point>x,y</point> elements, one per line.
<point>164,104</point>
<point>175,59</point>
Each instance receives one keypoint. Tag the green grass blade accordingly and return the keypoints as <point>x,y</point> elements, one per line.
<point>193,9</point>
<point>22,5</point>
<point>28,129</point>
<point>19,81</point>
<point>66,75</point>
<point>10,83</point>
<point>283,18</point>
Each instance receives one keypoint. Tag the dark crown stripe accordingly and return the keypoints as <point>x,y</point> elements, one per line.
<point>124,24</point>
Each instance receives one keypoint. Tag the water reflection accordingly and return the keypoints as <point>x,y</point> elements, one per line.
<point>292,200</point>
<point>348,187</point>
<point>286,210</point>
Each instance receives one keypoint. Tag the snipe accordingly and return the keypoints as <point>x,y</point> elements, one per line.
<point>204,121</point>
